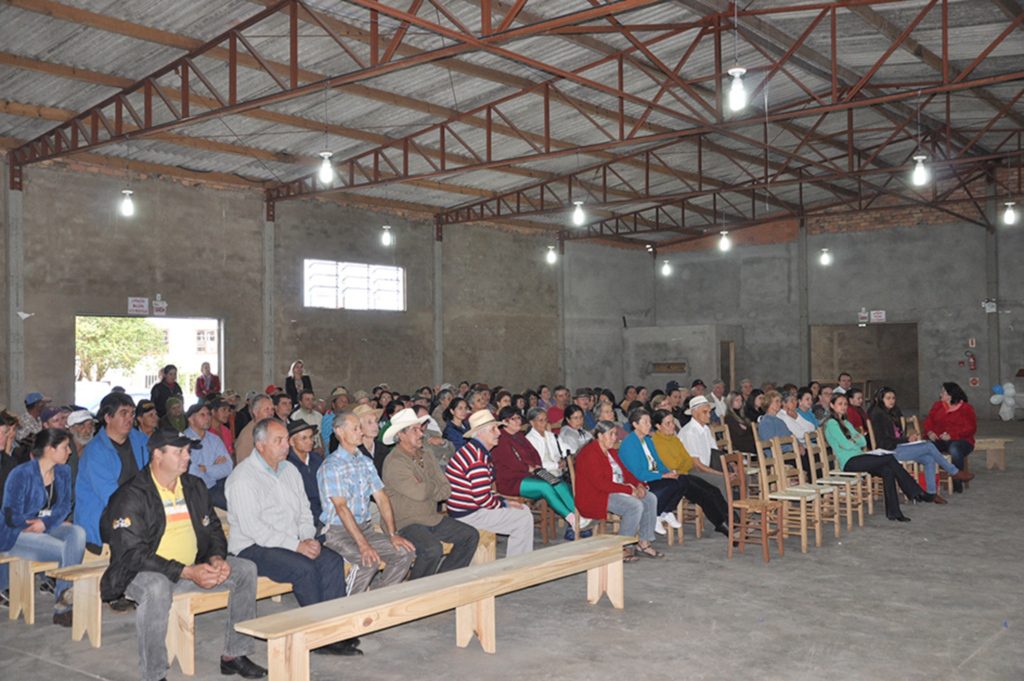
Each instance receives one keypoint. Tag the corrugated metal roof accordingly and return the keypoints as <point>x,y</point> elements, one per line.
<point>372,108</point>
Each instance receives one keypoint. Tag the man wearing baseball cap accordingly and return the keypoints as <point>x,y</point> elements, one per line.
<point>307,462</point>
<point>31,423</point>
<point>472,500</point>
<point>165,538</point>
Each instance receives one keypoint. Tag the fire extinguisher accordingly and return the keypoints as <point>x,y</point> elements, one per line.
<point>972,363</point>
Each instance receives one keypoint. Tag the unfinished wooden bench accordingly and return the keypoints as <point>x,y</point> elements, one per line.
<point>995,449</point>
<point>22,590</point>
<point>470,592</point>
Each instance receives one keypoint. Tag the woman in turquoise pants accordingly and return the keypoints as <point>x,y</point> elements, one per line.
<point>515,461</point>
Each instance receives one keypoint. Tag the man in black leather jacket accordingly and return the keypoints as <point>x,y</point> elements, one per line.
<point>165,538</point>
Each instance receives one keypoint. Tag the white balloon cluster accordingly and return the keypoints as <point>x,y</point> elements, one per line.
<point>1006,397</point>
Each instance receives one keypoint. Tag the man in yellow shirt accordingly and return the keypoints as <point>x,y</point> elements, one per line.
<point>165,538</point>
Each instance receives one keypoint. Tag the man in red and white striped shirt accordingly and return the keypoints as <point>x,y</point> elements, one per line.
<point>471,476</point>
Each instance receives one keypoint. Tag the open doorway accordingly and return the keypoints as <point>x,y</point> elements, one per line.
<point>129,352</point>
<point>876,355</point>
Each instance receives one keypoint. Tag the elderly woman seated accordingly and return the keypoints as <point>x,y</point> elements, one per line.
<point>37,501</point>
<point>639,455</point>
<point>674,456</point>
<point>573,434</point>
<point>545,442</point>
<point>603,484</point>
<point>790,415</point>
<point>517,466</point>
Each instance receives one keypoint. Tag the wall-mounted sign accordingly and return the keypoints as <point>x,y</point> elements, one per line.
<point>160,308</point>
<point>138,306</point>
<point>878,316</point>
<point>668,368</point>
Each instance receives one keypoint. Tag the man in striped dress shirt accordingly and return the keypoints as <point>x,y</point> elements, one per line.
<point>471,476</point>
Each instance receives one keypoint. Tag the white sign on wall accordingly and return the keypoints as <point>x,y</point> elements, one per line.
<point>878,316</point>
<point>138,306</point>
<point>159,308</point>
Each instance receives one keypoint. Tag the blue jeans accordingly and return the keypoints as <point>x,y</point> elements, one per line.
<point>957,449</point>
<point>313,581</point>
<point>64,544</point>
<point>636,514</point>
<point>928,454</point>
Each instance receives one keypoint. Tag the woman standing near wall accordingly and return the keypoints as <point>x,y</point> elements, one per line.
<point>297,381</point>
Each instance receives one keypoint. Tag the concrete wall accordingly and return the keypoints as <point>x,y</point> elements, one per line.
<point>202,250</point>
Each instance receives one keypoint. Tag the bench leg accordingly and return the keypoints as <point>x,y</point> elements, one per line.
<point>996,457</point>
<point>181,635</point>
<point>486,550</point>
<point>22,591</point>
<point>606,579</point>
<point>476,618</point>
<point>87,612</point>
<point>288,659</point>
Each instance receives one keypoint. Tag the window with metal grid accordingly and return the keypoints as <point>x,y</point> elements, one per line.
<point>353,286</point>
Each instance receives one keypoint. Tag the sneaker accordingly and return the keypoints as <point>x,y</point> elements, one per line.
<point>671,520</point>
<point>5,599</point>
<point>66,599</point>
<point>122,605</point>
<point>48,585</point>
<point>570,535</point>
<point>63,619</point>
<point>585,522</point>
<point>659,526</point>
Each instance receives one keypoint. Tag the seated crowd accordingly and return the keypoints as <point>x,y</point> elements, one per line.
<point>366,478</point>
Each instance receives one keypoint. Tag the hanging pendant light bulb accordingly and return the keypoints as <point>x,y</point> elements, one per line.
<point>725,243</point>
<point>666,269</point>
<point>737,93</point>
<point>826,257</point>
<point>127,205</point>
<point>326,169</point>
<point>552,257</point>
<point>578,216</point>
<point>385,237</point>
<point>920,175</point>
<point>1010,216</point>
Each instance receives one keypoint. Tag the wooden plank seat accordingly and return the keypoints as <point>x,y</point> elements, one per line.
<point>470,592</point>
<point>87,610</point>
<point>995,450</point>
<point>22,590</point>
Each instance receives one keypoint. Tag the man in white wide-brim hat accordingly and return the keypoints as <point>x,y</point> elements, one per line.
<point>415,483</point>
<point>471,478</point>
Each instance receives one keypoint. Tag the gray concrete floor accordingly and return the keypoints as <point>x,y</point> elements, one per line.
<point>937,598</point>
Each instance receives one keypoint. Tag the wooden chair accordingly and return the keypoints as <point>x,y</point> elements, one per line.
<point>544,518</point>
<point>797,478</point>
<point>801,509</point>
<point>687,513</point>
<point>723,441</point>
<point>603,524</point>
<point>853,490</point>
<point>743,528</point>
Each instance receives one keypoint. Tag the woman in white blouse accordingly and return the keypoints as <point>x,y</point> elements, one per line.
<point>573,435</point>
<point>545,442</point>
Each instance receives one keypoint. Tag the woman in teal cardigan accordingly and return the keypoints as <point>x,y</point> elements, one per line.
<point>848,446</point>
<point>638,454</point>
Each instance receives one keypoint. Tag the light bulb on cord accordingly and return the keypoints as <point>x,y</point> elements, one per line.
<point>127,205</point>
<point>1010,216</point>
<point>386,238</point>
<point>920,175</point>
<point>326,169</point>
<point>578,217</point>
<point>666,269</point>
<point>737,94</point>
<point>552,256</point>
<point>725,243</point>
<point>826,257</point>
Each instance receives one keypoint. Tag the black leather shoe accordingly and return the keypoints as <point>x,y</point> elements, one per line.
<point>345,648</point>
<point>901,518</point>
<point>242,666</point>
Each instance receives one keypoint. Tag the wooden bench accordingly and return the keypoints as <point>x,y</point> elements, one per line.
<point>469,591</point>
<point>23,581</point>
<point>995,449</point>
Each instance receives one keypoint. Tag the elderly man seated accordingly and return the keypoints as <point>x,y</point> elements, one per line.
<point>272,525</point>
<point>700,443</point>
<point>472,500</point>
<point>165,538</point>
<point>347,482</point>
<point>415,484</point>
<point>307,462</point>
<point>213,463</point>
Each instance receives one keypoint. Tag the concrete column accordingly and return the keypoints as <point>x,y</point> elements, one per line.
<point>560,268</point>
<point>15,247</point>
<point>995,367</point>
<point>803,291</point>
<point>438,312</point>
<point>269,350</point>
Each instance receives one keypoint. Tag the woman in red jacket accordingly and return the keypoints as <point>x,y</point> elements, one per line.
<point>603,484</point>
<point>951,425</point>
